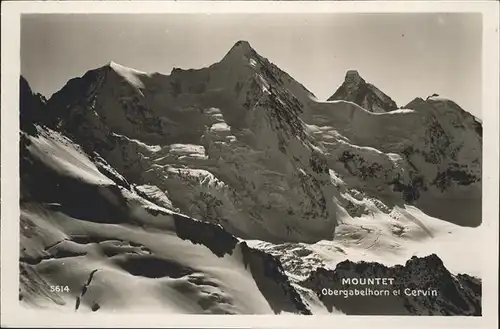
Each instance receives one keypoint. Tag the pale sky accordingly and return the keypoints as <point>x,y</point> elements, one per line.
<point>404,55</point>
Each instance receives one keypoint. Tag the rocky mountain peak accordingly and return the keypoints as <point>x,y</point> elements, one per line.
<point>31,106</point>
<point>355,89</point>
<point>241,51</point>
<point>352,77</point>
<point>242,46</point>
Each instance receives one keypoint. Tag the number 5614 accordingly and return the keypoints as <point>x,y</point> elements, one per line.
<point>59,289</point>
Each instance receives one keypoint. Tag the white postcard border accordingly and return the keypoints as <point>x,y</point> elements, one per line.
<point>12,314</point>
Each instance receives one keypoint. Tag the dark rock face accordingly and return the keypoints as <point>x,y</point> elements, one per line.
<point>424,287</point>
<point>272,281</point>
<point>355,89</point>
<point>32,107</point>
<point>357,166</point>
<point>462,177</point>
<point>212,236</point>
<point>150,266</point>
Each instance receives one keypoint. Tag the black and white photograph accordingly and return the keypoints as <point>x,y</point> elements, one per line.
<point>251,163</point>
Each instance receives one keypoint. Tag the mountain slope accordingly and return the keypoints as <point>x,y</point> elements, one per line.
<point>124,252</point>
<point>243,128</point>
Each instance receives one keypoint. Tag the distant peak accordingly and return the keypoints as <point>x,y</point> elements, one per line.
<point>243,44</point>
<point>355,89</point>
<point>240,49</point>
<point>353,76</point>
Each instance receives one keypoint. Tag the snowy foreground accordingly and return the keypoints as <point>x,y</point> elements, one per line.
<point>232,189</point>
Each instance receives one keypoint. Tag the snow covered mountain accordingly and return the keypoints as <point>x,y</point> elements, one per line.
<point>114,250</point>
<point>224,189</point>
